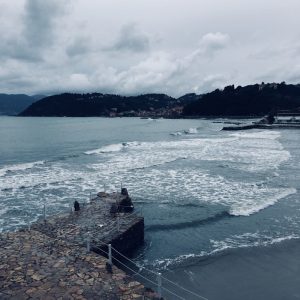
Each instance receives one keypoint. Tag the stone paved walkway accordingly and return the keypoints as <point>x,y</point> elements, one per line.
<point>36,266</point>
<point>93,219</point>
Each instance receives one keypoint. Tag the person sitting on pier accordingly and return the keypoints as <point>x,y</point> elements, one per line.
<point>76,206</point>
<point>125,204</point>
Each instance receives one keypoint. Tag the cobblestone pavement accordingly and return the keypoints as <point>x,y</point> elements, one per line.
<point>36,266</point>
<point>93,219</point>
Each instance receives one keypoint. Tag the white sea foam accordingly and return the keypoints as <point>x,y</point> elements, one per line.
<point>191,131</point>
<point>264,134</point>
<point>249,240</point>
<point>140,165</point>
<point>19,167</point>
<point>250,154</point>
<point>176,133</point>
<point>241,198</point>
<point>247,208</point>
<point>245,240</point>
<point>112,148</point>
<point>105,149</point>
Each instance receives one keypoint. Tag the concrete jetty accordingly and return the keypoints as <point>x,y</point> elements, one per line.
<point>50,260</point>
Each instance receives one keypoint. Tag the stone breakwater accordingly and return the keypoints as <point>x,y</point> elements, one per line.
<point>124,231</point>
<point>50,261</point>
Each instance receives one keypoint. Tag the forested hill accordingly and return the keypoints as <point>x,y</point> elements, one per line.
<point>251,100</point>
<point>96,104</point>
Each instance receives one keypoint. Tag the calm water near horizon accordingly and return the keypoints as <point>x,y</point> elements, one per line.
<point>203,192</point>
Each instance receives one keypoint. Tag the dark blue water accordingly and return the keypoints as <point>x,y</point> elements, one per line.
<point>203,192</point>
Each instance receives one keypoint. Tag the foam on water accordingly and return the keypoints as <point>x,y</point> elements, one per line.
<point>191,131</point>
<point>19,167</point>
<point>112,148</point>
<point>105,149</point>
<point>251,152</point>
<point>141,166</point>
<point>245,240</point>
<point>264,134</point>
<point>241,198</point>
<point>246,208</point>
<point>176,133</point>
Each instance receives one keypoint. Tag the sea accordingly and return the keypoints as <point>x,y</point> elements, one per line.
<point>221,208</point>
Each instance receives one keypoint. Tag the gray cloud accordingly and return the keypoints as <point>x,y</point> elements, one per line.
<point>38,30</point>
<point>130,39</point>
<point>212,42</point>
<point>197,45</point>
<point>79,46</point>
<point>39,21</point>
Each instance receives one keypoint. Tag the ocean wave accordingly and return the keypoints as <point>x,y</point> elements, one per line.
<point>65,157</point>
<point>191,131</point>
<point>19,167</point>
<point>249,208</point>
<point>39,177</point>
<point>176,133</point>
<point>247,240</point>
<point>264,134</point>
<point>112,148</point>
<point>238,198</point>
<point>166,162</point>
<point>189,224</point>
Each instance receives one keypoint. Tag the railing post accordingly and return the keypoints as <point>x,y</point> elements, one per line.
<point>159,284</point>
<point>44,212</point>
<point>118,223</point>
<point>109,255</point>
<point>29,225</point>
<point>88,243</point>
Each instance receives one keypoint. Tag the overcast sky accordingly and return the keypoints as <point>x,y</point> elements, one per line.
<point>140,46</point>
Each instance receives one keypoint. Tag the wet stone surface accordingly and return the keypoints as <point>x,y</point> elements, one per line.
<point>93,219</point>
<point>50,261</point>
<point>34,266</point>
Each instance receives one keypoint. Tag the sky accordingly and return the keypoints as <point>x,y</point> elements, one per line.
<point>133,47</point>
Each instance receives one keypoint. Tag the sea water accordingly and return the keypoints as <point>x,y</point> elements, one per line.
<point>202,191</point>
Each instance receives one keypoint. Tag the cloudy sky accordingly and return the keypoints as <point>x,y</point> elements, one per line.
<point>140,46</point>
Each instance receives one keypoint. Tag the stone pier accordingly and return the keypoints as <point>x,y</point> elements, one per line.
<point>94,221</point>
<point>50,261</point>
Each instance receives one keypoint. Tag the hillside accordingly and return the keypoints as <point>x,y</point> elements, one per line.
<point>96,104</point>
<point>251,100</point>
<point>14,104</point>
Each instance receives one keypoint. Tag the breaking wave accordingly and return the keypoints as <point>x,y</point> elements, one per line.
<point>191,131</point>
<point>246,240</point>
<point>183,225</point>
<point>264,134</point>
<point>19,167</point>
<point>249,208</point>
<point>112,148</point>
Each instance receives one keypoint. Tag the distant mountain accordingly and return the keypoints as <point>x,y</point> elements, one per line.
<point>96,104</point>
<point>14,104</point>
<point>251,100</point>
